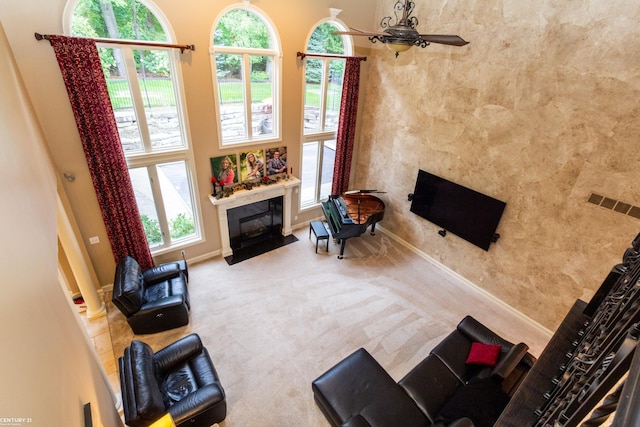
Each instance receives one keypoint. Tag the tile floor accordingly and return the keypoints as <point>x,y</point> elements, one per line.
<point>98,331</point>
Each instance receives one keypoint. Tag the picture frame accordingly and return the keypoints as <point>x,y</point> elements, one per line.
<point>276,160</point>
<point>225,174</point>
<point>252,165</point>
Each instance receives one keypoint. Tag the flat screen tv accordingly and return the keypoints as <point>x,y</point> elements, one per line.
<point>464,212</point>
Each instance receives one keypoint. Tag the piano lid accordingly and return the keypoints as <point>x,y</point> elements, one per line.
<point>362,206</point>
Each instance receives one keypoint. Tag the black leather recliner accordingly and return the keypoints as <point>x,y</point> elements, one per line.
<point>179,379</point>
<point>153,300</point>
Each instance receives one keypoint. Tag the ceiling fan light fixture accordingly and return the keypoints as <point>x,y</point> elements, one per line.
<point>398,46</point>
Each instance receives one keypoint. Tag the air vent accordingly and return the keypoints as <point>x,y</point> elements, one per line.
<point>615,205</point>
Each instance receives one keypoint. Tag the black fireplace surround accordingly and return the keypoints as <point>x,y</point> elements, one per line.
<point>253,223</point>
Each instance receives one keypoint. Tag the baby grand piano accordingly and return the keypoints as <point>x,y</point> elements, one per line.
<point>349,215</point>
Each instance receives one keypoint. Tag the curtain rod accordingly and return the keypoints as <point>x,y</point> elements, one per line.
<point>182,47</point>
<point>302,55</point>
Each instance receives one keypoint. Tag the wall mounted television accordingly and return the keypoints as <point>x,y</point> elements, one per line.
<point>464,212</point>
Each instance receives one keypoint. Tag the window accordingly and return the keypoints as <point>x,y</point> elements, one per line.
<point>245,60</point>
<point>322,96</point>
<point>145,91</point>
<point>317,170</point>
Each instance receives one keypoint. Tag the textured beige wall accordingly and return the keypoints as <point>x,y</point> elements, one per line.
<point>540,110</point>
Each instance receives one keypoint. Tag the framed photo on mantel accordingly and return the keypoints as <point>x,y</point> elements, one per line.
<point>224,169</point>
<point>276,160</point>
<point>252,165</point>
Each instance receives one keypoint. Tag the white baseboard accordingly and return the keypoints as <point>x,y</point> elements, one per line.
<point>204,257</point>
<point>467,282</point>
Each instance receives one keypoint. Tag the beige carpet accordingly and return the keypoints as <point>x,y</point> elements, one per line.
<point>276,322</point>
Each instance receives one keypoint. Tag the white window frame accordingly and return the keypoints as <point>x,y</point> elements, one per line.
<point>320,135</point>
<point>148,157</point>
<point>275,53</point>
<point>317,190</point>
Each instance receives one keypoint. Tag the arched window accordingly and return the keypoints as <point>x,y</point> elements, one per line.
<point>322,96</point>
<point>245,59</point>
<point>145,88</point>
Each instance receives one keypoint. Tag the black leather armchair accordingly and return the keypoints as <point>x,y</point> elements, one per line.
<point>179,379</point>
<point>153,300</point>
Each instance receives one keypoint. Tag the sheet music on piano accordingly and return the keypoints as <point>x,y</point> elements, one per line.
<point>342,207</point>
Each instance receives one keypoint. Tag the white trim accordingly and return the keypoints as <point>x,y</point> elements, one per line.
<point>204,257</point>
<point>467,282</point>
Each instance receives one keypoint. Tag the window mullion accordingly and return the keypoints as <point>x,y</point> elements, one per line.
<point>138,103</point>
<point>324,87</point>
<point>159,204</point>
<point>242,50</point>
<point>246,74</point>
<point>320,156</point>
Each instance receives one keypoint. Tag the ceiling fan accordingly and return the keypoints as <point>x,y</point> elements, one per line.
<point>402,35</point>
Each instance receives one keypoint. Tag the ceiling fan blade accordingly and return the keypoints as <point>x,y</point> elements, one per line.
<point>444,39</point>
<point>357,32</point>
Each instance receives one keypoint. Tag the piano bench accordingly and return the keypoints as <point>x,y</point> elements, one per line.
<point>320,231</point>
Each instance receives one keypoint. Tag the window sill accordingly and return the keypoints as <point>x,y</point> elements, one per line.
<point>176,247</point>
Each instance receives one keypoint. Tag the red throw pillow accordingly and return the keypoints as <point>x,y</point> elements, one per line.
<point>483,354</point>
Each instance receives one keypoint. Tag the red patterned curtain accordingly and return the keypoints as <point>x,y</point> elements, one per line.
<point>346,126</point>
<point>82,73</point>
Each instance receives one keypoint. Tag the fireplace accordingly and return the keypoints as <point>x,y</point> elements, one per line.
<point>253,223</point>
<point>226,206</point>
<point>255,227</point>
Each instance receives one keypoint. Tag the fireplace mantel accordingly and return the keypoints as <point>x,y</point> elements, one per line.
<point>283,188</point>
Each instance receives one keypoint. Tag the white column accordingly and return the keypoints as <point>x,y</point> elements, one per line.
<point>80,265</point>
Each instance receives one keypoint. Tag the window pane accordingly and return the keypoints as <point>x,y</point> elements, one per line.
<point>114,19</point>
<point>231,93</point>
<point>242,28</point>
<point>262,95</point>
<point>309,173</point>
<point>313,94</point>
<point>326,175</point>
<point>156,87</point>
<point>178,206</point>
<point>334,93</point>
<point>324,41</point>
<point>121,99</point>
<point>146,205</point>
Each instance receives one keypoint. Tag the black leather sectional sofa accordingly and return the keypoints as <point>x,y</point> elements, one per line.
<point>442,390</point>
